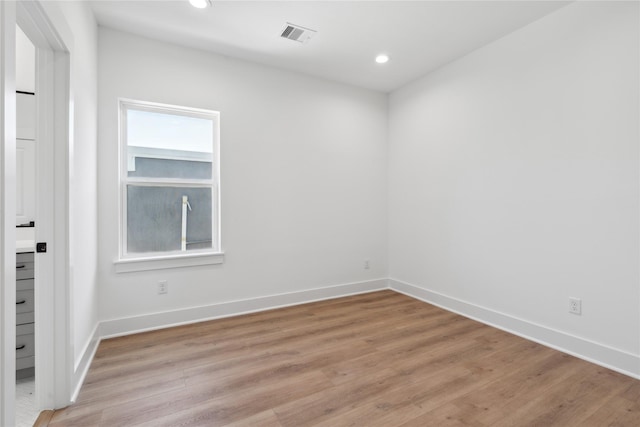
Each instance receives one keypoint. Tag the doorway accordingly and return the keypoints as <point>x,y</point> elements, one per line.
<point>53,359</point>
<point>26,283</point>
<point>53,363</point>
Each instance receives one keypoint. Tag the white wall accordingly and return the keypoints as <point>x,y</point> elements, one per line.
<point>73,25</point>
<point>25,63</point>
<point>83,175</point>
<point>303,177</point>
<point>514,177</point>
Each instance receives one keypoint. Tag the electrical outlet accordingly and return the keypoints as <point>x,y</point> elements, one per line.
<point>163,287</point>
<point>575,305</point>
<point>366,264</point>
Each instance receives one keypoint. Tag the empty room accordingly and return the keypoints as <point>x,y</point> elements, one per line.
<point>320,213</point>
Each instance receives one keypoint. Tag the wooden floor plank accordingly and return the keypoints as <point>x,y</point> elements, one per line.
<point>376,359</point>
<point>334,401</point>
<point>263,419</point>
<point>43,418</point>
<point>207,407</point>
<point>616,412</point>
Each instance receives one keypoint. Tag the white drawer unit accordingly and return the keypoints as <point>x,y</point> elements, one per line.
<point>24,257</point>
<point>25,326</point>
<point>24,302</point>
<point>25,346</point>
<point>24,270</point>
<point>24,285</point>
<point>24,318</point>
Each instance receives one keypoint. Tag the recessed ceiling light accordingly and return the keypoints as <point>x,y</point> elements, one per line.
<point>381,59</point>
<point>200,4</point>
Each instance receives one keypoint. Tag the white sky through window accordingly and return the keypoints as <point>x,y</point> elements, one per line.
<point>168,131</point>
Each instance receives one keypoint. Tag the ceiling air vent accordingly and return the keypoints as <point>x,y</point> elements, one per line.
<point>297,33</point>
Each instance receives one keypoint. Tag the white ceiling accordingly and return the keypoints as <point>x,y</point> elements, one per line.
<point>419,36</point>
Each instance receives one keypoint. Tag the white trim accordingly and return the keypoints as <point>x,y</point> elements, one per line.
<point>47,28</point>
<point>84,362</point>
<point>179,110</point>
<point>213,184</point>
<point>7,214</point>
<point>45,335</point>
<point>148,322</point>
<point>600,354</point>
<point>169,182</point>
<point>128,265</point>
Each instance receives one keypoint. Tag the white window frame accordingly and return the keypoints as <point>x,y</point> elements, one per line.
<point>170,259</point>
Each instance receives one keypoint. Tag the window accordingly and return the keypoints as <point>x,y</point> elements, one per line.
<point>169,186</point>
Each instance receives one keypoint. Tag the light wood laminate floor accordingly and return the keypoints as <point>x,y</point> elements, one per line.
<point>378,359</point>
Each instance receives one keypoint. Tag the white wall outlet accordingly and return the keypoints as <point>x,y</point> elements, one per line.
<point>575,305</point>
<point>163,287</point>
<point>366,264</point>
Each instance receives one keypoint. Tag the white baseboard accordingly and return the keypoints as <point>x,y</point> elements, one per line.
<point>600,354</point>
<point>615,359</point>
<point>148,322</point>
<point>84,362</point>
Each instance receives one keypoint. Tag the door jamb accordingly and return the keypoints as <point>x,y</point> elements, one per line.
<point>48,31</point>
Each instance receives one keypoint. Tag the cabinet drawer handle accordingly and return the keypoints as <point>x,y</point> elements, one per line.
<point>21,302</point>
<point>21,347</point>
<point>21,266</point>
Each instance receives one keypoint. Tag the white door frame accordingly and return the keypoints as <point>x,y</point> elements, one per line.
<point>48,31</point>
<point>44,24</point>
<point>7,211</point>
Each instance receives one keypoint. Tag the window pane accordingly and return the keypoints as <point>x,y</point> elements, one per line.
<point>164,145</point>
<point>165,168</point>
<point>154,218</point>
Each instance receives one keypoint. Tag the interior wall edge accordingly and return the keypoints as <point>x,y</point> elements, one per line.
<point>148,322</point>
<point>600,354</point>
<point>83,363</point>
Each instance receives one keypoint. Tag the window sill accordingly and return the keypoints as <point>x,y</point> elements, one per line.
<point>168,261</point>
